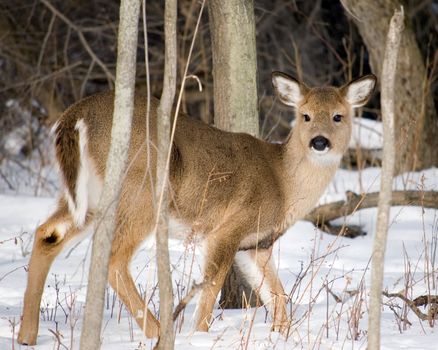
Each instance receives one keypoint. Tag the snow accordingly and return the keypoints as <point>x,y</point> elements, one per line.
<point>367,133</point>
<point>312,265</point>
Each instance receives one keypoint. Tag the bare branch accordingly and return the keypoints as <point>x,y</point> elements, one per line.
<point>110,76</point>
<point>184,301</point>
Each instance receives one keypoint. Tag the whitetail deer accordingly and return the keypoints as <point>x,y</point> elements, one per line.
<point>238,192</point>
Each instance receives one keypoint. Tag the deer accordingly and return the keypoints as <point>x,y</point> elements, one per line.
<point>238,193</point>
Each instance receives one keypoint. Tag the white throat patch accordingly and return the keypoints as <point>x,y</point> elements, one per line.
<point>324,158</point>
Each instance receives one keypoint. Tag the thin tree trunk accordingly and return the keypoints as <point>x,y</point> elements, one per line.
<point>167,338</point>
<point>115,169</point>
<point>416,126</point>
<point>396,27</point>
<point>232,29</point>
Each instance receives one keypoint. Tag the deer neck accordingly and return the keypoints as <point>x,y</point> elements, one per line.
<point>304,180</point>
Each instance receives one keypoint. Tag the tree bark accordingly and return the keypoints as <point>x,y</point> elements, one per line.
<point>388,75</point>
<point>232,29</point>
<point>416,126</point>
<point>115,168</point>
<point>167,337</point>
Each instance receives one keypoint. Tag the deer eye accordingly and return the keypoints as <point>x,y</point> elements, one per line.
<point>337,118</point>
<point>306,117</point>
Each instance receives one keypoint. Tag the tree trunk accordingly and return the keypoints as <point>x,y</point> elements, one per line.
<point>167,337</point>
<point>232,29</point>
<point>236,293</point>
<point>115,168</point>
<point>416,127</point>
<point>388,112</point>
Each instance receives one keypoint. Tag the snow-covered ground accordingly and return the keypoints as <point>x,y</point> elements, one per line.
<point>327,276</point>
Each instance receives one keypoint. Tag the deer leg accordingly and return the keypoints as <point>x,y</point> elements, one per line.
<point>221,248</point>
<point>130,234</point>
<point>121,281</point>
<point>259,270</point>
<point>50,238</point>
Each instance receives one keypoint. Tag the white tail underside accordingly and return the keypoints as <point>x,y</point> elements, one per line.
<point>88,185</point>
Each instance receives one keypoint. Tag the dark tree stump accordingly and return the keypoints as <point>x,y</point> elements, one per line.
<point>236,293</point>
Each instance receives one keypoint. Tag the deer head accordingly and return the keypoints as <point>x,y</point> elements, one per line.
<point>323,114</point>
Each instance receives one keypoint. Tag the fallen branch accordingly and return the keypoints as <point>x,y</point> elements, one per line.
<point>322,215</point>
<point>422,300</point>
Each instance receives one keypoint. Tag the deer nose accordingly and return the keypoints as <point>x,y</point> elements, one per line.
<point>319,143</point>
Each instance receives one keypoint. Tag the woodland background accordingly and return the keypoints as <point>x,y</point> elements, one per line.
<point>55,53</point>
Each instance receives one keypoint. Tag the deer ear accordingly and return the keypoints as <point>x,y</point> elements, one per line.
<point>358,92</point>
<point>289,90</point>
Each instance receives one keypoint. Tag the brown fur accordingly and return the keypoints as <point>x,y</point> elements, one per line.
<point>67,153</point>
<point>231,188</point>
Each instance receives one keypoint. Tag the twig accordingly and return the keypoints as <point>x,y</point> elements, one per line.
<point>58,337</point>
<point>184,301</point>
<point>46,39</point>
<point>12,271</point>
<point>3,176</point>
